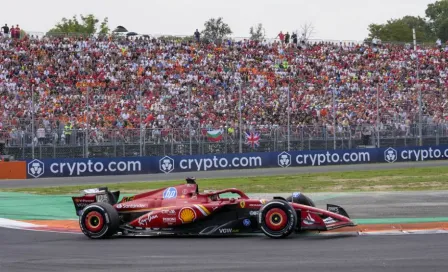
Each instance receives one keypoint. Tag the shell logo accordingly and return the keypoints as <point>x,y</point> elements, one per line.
<point>263,201</point>
<point>187,215</point>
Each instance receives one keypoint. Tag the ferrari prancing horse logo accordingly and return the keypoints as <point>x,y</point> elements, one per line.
<point>242,204</point>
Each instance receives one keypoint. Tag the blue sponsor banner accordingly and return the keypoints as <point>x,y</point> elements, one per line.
<point>170,164</point>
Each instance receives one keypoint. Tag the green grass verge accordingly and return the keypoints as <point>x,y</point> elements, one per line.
<point>407,179</point>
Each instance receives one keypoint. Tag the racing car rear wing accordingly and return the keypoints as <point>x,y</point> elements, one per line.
<point>101,194</point>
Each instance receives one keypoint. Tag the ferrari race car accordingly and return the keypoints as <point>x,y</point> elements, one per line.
<point>182,210</point>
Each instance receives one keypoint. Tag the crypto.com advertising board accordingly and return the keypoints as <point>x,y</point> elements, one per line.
<point>169,164</point>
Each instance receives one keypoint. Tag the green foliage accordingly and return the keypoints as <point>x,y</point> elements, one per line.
<point>404,179</point>
<point>258,33</point>
<point>216,30</point>
<point>437,14</point>
<point>87,25</point>
<point>401,30</point>
<point>104,27</point>
<point>428,29</point>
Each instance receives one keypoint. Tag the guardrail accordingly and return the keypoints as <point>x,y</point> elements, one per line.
<point>48,168</point>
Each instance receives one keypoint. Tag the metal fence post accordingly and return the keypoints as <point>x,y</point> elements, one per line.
<point>189,119</point>
<point>32,121</point>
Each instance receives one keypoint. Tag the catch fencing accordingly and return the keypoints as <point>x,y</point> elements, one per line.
<point>54,143</point>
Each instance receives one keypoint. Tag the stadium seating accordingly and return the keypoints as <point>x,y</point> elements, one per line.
<point>321,77</point>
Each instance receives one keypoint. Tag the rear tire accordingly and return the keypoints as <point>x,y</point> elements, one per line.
<point>99,220</point>
<point>277,219</point>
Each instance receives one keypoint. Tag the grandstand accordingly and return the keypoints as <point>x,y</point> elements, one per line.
<point>151,96</point>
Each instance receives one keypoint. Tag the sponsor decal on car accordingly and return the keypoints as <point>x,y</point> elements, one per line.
<point>246,222</point>
<point>169,220</point>
<point>255,205</point>
<point>81,206</point>
<point>130,206</point>
<point>168,212</point>
<point>146,219</point>
<point>228,230</point>
<point>333,209</point>
<point>329,220</point>
<point>309,220</point>
<point>242,204</point>
<point>127,199</point>
<point>80,200</point>
<point>187,215</point>
<point>253,213</point>
<point>102,198</point>
<point>170,192</point>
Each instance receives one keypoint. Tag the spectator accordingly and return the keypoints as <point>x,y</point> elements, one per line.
<point>281,36</point>
<point>5,30</point>
<point>287,38</point>
<point>197,35</point>
<point>294,38</point>
<point>212,75</point>
<point>18,34</point>
<point>13,32</point>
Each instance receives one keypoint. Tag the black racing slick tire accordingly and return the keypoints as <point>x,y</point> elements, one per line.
<point>277,219</point>
<point>99,220</point>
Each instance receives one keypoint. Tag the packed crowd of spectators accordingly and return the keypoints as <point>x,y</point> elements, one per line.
<point>321,77</point>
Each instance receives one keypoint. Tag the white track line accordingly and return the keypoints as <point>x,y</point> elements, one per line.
<point>14,224</point>
<point>8,223</point>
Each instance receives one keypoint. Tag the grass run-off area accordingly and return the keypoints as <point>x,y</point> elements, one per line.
<point>407,179</point>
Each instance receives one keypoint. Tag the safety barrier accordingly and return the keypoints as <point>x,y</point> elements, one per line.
<point>169,164</point>
<point>13,170</point>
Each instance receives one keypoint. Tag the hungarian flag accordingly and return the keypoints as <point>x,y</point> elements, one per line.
<point>214,135</point>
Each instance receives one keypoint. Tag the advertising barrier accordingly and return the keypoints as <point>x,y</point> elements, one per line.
<point>13,170</point>
<point>169,164</point>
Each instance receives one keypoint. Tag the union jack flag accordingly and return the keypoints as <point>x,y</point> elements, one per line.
<point>253,139</point>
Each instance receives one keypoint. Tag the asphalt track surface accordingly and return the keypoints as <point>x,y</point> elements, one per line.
<point>212,174</point>
<point>40,251</point>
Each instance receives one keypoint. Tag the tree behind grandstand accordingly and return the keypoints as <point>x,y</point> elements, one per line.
<point>216,30</point>
<point>434,26</point>
<point>257,34</point>
<point>87,25</point>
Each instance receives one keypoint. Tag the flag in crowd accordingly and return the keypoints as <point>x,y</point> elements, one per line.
<point>215,135</point>
<point>253,139</point>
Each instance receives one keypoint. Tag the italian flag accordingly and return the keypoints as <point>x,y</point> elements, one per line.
<point>214,135</point>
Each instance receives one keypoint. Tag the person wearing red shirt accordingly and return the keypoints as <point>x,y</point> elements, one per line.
<point>281,36</point>
<point>17,32</point>
<point>13,32</point>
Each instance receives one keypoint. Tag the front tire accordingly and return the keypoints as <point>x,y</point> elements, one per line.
<point>277,219</point>
<point>99,220</point>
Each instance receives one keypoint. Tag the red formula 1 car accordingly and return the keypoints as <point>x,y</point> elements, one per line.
<point>182,210</point>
